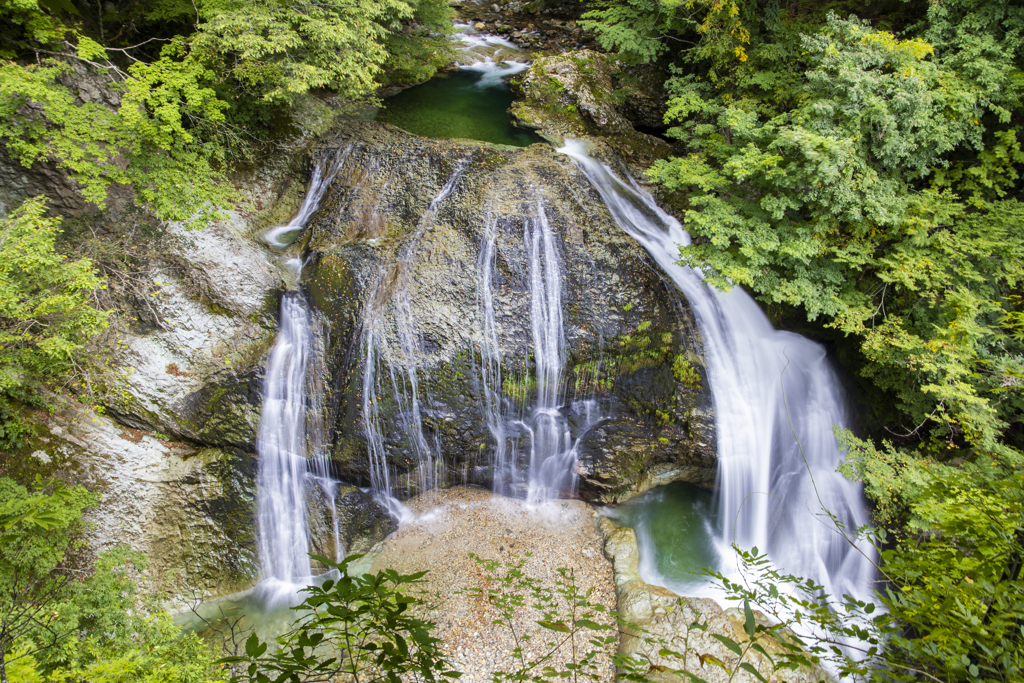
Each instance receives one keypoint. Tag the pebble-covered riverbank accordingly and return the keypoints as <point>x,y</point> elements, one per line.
<point>453,523</point>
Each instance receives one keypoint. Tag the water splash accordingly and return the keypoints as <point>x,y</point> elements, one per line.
<point>766,481</point>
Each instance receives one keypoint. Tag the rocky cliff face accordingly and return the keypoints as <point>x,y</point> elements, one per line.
<point>173,451</point>
<point>167,424</point>
<point>586,93</point>
<point>395,274</point>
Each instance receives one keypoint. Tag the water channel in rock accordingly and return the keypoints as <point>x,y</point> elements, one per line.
<point>678,533</point>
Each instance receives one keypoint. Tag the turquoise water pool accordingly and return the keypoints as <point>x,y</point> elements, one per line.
<point>468,103</point>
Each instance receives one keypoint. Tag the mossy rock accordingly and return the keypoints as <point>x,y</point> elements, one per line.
<point>384,259</point>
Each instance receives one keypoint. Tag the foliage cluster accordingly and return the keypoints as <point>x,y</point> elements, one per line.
<point>164,97</point>
<point>364,627</point>
<point>45,299</point>
<point>64,619</point>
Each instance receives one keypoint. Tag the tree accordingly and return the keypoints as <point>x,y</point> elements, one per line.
<point>33,573</point>
<point>201,86</point>
<point>848,204</point>
<point>45,300</point>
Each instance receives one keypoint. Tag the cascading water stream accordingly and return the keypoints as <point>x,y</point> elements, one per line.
<point>290,438</point>
<point>404,382</point>
<point>281,446</point>
<point>545,423</point>
<point>282,236</point>
<point>550,441</point>
<point>762,380</point>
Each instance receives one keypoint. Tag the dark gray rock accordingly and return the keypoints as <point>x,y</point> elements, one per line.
<point>353,519</point>
<point>629,335</point>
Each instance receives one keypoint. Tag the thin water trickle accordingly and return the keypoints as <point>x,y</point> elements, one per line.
<point>402,371</point>
<point>550,441</point>
<point>770,474</point>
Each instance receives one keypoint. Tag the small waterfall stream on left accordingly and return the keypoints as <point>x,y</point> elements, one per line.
<point>290,441</point>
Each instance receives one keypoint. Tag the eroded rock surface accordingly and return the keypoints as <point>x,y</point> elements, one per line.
<point>187,508</point>
<point>387,264</point>
<point>661,617</point>
<point>586,93</point>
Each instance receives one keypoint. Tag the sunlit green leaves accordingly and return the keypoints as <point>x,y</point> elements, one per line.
<point>357,625</point>
<point>46,311</point>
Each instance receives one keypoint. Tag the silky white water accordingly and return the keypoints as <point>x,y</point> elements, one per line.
<point>281,447</point>
<point>776,400</point>
<point>282,236</point>
<point>290,441</point>
<point>534,446</point>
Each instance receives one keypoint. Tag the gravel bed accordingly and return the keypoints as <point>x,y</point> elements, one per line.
<point>450,524</point>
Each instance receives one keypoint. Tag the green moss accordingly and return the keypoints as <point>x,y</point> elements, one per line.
<point>684,372</point>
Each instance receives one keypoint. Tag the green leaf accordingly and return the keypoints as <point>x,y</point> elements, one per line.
<point>253,647</point>
<point>555,626</point>
<point>746,666</point>
<point>749,624</point>
<point>592,625</point>
<point>728,642</point>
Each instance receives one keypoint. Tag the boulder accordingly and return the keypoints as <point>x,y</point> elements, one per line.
<point>577,94</point>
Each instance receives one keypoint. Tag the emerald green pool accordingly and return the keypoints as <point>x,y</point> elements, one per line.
<point>459,104</point>
<point>676,531</point>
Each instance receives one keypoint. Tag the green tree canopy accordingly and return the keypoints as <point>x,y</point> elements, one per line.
<point>181,90</point>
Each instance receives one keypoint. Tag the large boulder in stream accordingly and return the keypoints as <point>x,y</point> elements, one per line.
<point>428,258</point>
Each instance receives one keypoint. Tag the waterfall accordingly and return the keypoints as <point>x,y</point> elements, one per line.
<point>490,364</point>
<point>545,424</point>
<point>281,446</point>
<point>404,381</point>
<point>551,457</point>
<point>282,236</point>
<point>289,444</point>
<point>762,380</point>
